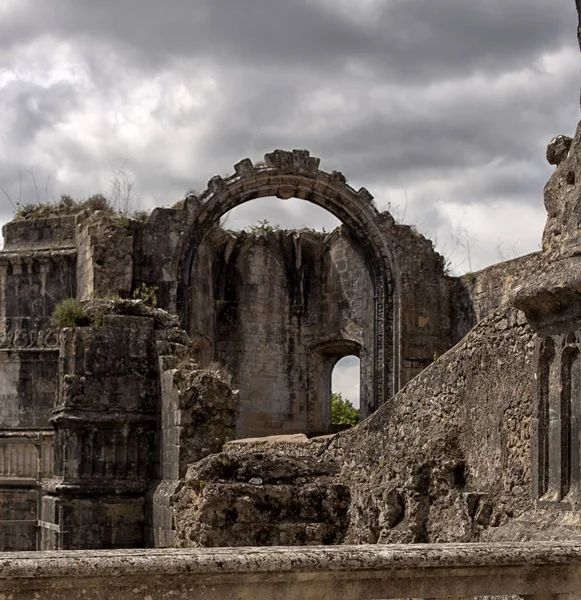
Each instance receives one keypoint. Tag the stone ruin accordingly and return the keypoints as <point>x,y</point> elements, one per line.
<point>203,418</point>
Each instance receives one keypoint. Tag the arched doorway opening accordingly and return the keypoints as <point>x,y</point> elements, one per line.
<point>345,389</point>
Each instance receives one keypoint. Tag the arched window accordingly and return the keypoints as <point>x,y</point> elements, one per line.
<point>345,390</point>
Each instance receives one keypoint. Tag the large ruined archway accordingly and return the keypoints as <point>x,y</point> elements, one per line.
<point>296,174</point>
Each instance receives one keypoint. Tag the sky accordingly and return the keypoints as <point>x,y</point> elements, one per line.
<point>442,109</point>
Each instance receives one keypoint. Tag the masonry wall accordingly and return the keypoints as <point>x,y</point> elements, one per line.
<point>490,288</point>
<point>448,459</point>
<point>288,306</point>
<point>449,456</point>
<point>425,311</point>
<point>255,341</point>
<point>28,386</point>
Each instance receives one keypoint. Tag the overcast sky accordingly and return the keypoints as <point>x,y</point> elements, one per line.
<point>441,108</point>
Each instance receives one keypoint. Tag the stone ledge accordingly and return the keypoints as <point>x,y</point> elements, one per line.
<point>305,573</point>
<point>204,561</point>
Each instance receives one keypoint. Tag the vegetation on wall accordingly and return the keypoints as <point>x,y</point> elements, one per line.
<point>70,313</point>
<point>342,411</point>
<point>147,293</point>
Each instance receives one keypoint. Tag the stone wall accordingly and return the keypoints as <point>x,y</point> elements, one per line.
<point>105,256</point>
<point>449,456</point>
<point>288,306</point>
<point>40,233</point>
<point>261,499</point>
<point>277,309</point>
<point>490,288</point>
<point>26,457</point>
<point>28,386</point>
<point>444,460</point>
<point>425,307</point>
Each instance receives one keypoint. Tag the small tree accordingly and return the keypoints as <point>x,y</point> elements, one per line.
<point>342,411</point>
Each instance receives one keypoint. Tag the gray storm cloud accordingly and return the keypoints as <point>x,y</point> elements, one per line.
<point>441,109</point>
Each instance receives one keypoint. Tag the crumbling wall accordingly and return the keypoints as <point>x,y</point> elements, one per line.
<point>424,305</point>
<point>475,295</point>
<point>40,233</point>
<point>198,412</point>
<point>105,256</point>
<point>445,460</point>
<point>105,421</point>
<point>449,456</point>
<point>261,499</point>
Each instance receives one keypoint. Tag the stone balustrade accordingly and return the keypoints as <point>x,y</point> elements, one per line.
<point>534,570</point>
<point>26,454</point>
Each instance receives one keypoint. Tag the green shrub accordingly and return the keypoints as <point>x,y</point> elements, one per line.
<point>70,313</point>
<point>96,202</point>
<point>470,277</point>
<point>147,293</point>
<point>264,227</point>
<point>342,411</point>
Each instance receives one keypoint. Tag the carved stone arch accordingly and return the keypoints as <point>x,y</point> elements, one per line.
<point>296,174</point>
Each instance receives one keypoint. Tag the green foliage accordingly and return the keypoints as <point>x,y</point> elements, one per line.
<point>264,226</point>
<point>147,293</point>
<point>123,221</point>
<point>470,277</point>
<point>436,356</point>
<point>140,215</point>
<point>96,202</point>
<point>342,411</point>
<point>67,205</point>
<point>70,313</point>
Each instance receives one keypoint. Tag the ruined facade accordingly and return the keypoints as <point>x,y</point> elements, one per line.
<point>274,309</point>
<point>200,413</point>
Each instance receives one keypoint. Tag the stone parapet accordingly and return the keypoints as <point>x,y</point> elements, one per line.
<point>308,573</point>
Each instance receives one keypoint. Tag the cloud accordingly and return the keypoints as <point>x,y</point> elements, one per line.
<point>441,109</point>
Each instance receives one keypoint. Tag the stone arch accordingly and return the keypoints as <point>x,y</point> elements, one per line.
<point>322,360</point>
<point>297,174</point>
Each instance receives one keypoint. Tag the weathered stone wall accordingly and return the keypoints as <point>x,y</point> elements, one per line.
<point>490,288</point>
<point>309,573</point>
<point>449,456</point>
<point>424,309</point>
<point>31,284</point>
<point>28,386</point>
<point>445,460</point>
<point>25,458</point>
<point>105,257</point>
<point>277,308</point>
<point>288,306</point>
<point>40,233</point>
<point>261,499</point>
<point>156,252</point>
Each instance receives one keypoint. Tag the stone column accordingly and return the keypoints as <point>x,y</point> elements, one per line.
<point>105,421</point>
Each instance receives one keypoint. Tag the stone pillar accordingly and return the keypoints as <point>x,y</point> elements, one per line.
<point>105,421</point>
